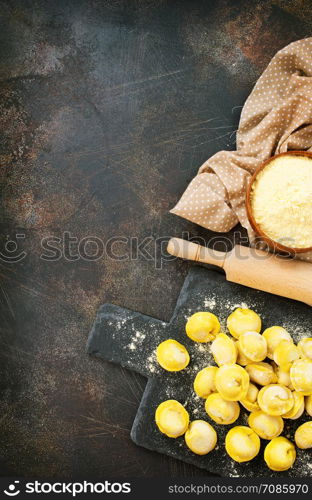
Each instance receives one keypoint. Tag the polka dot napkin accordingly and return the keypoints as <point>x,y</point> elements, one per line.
<point>276,117</point>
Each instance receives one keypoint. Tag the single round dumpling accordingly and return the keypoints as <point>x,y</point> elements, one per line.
<point>253,346</point>
<point>298,408</point>
<point>283,374</point>
<point>172,356</point>
<point>280,454</point>
<point>242,443</point>
<point>261,373</point>
<point>305,347</point>
<point>266,426</point>
<point>232,382</point>
<point>275,399</point>
<point>200,437</point>
<point>202,327</point>
<point>172,418</point>
<point>241,358</point>
<point>301,376</point>
<point>273,336</point>
<point>251,400</point>
<point>223,349</point>
<point>204,383</point>
<point>243,320</point>
<point>286,353</point>
<point>221,411</point>
<point>303,436</point>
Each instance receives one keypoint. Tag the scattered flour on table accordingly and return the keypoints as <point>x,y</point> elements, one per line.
<point>139,345</point>
<point>303,462</point>
<point>152,364</point>
<point>201,348</point>
<point>120,324</point>
<point>210,303</point>
<point>117,325</point>
<point>297,330</point>
<point>136,340</point>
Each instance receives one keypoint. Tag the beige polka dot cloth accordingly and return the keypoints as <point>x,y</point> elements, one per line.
<point>276,117</point>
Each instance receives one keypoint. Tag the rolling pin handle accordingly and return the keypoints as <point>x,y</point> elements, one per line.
<point>192,251</point>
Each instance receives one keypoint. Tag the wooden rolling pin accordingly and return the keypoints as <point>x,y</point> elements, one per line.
<point>253,268</point>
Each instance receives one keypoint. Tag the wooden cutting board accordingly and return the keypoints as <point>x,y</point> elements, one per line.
<point>130,338</point>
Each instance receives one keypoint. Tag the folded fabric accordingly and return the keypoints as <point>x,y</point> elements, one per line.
<point>276,117</point>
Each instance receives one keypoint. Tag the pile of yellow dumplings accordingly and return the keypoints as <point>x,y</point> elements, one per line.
<point>266,373</point>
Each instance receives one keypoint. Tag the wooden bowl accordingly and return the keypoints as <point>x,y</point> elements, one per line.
<point>272,244</point>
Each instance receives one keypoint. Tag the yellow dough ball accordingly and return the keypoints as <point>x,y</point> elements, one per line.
<point>275,399</point>
<point>305,347</point>
<point>172,418</point>
<point>308,405</point>
<point>253,346</point>
<point>242,443</point>
<point>243,320</point>
<point>204,383</point>
<point>202,327</point>
<point>273,336</point>
<point>221,411</point>
<point>232,382</point>
<point>298,407</point>
<point>283,374</point>
<point>266,426</point>
<point>303,436</point>
<point>301,376</point>
<point>261,373</point>
<point>200,437</point>
<point>286,352</point>
<point>250,402</point>
<point>279,454</point>
<point>241,358</point>
<point>172,356</point>
<point>223,350</point>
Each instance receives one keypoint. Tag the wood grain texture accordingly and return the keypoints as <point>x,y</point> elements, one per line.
<point>253,267</point>
<point>108,108</point>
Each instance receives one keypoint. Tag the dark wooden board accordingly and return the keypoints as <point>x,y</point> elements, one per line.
<point>130,338</point>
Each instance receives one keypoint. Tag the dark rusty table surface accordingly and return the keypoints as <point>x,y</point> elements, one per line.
<point>108,108</point>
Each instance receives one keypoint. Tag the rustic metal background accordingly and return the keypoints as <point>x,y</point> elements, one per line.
<point>108,107</point>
